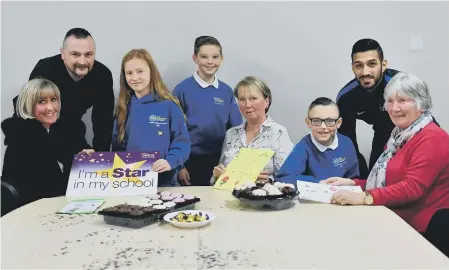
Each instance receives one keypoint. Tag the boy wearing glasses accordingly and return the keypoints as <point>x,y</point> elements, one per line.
<point>323,153</point>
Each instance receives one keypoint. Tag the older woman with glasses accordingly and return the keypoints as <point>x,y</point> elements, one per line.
<point>411,177</point>
<point>323,153</point>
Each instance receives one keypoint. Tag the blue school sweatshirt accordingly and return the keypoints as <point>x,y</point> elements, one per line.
<point>307,163</point>
<point>155,125</point>
<point>210,112</point>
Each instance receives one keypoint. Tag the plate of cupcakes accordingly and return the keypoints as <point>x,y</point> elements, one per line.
<point>266,195</point>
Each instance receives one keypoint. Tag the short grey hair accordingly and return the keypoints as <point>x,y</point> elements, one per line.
<point>257,83</point>
<point>408,85</point>
<point>31,93</point>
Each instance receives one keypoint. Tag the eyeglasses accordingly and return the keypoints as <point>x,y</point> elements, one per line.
<point>328,122</point>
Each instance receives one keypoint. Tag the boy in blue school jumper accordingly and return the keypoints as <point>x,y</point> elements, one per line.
<point>149,118</point>
<point>324,153</point>
<point>210,108</point>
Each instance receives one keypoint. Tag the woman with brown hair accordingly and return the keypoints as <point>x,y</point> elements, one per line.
<point>148,117</point>
<point>259,131</point>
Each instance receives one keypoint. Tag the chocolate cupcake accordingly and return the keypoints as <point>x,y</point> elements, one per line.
<point>288,185</point>
<point>288,191</point>
<point>149,210</point>
<point>122,212</point>
<point>236,191</point>
<point>134,207</point>
<point>112,209</point>
<point>136,213</point>
<point>246,193</point>
<point>260,183</point>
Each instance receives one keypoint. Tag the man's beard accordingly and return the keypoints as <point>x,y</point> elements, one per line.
<point>376,82</point>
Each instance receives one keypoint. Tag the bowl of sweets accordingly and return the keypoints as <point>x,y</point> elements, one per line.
<point>266,195</point>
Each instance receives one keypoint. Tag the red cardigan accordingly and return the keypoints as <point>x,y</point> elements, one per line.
<point>417,178</point>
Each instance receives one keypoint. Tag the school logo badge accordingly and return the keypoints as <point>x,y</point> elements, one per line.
<point>339,162</point>
<point>156,119</point>
<point>218,101</point>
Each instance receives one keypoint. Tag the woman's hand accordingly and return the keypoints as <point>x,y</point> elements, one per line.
<point>219,170</point>
<point>345,197</point>
<point>87,151</point>
<point>161,165</point>
<point>184,177</point>
<point>338,181</point>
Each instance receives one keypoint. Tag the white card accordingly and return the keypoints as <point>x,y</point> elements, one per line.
<point>320,192</point>
<point>81,207</point>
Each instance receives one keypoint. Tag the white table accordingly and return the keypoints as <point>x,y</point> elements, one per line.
<point>307,236</point>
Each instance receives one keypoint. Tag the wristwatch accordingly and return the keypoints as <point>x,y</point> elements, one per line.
<point>368,198</point>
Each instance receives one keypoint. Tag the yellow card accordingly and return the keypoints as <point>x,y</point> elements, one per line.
<point>246,166</point>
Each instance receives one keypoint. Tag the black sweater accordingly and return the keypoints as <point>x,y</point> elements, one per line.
<point>32,154</point>
<point>94,90</point>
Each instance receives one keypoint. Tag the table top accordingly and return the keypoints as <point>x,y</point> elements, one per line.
<point>307,236</point>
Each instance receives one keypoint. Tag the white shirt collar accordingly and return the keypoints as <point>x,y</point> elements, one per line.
<point>323,148</point>
<point>203,83</point>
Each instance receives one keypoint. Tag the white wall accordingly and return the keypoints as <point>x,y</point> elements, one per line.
<point>302,49</point>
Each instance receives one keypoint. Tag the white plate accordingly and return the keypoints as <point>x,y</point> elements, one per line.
<point>195,224</point>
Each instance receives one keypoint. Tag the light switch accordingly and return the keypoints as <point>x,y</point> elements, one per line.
<point>416,43</point>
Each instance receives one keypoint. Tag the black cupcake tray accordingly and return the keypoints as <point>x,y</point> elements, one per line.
<point>135,216</point>
<point>275,202</point>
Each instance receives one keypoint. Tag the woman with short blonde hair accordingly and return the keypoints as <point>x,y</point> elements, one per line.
<point>40,148</point>
<point>32,92</point>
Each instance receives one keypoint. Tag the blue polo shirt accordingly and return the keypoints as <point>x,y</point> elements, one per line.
<point>313,163</point>
<point>210,112</point>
